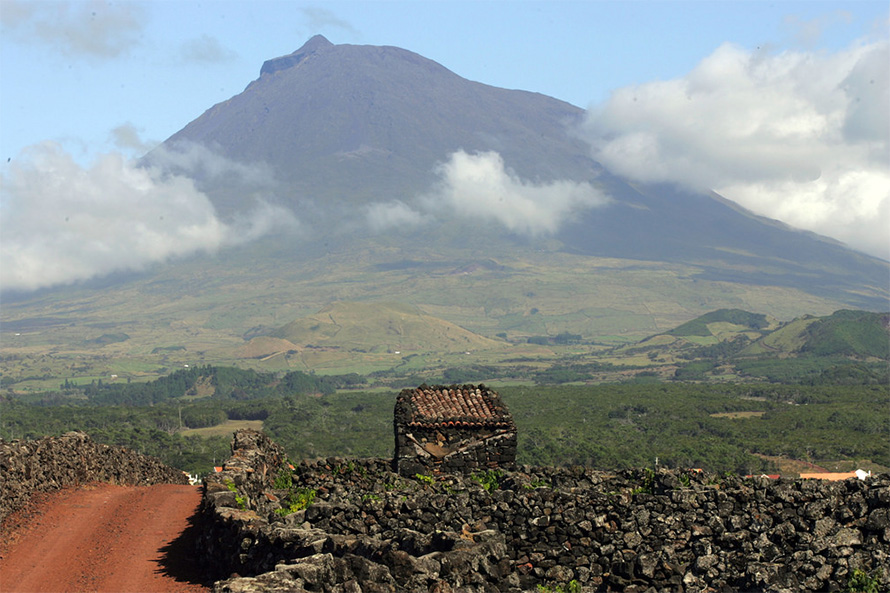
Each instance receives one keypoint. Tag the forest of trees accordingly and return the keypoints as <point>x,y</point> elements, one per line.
<point>606,426</point>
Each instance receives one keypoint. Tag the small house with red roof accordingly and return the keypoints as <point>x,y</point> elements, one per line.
<point>452,429</point>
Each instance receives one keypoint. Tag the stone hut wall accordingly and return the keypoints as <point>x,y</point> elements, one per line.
<point>371,529</point>
<point>480,450</point>
<point>52,463</point>
<point>444,442</point>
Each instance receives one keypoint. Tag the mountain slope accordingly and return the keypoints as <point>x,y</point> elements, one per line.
<point>857,334</point>
<point>844,333</point>
<point>336,133</point>
<point>360,123</point>
<point>340,129</point>
<point>702,326</point>
<point>375,327</point>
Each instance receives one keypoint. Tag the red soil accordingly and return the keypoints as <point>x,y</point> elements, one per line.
<point>103,538</point>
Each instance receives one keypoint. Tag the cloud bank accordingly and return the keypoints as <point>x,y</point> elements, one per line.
<point>479,186</point>
<point>95,29</point>
<point>61,222</point>
<point>802,137</point>
<point>382,216</point>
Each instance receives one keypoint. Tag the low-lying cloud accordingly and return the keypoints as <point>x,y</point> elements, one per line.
<point>382,216</point>
<point>799,136</point>
<point>479,186</point>
<point>62,222</point>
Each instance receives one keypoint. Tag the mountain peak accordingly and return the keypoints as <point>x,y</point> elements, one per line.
<point>314,45</point>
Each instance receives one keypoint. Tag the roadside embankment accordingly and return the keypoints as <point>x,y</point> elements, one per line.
<point>52,463</point>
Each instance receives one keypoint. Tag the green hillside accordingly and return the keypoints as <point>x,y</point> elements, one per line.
<point>787,339</point>
<point>859,334</point>
<point>700,326</point>
<point>843,348</point>
<point>844,333</point>
<point>376,327</point>
<point>210,311</point>
<point>849,333</point>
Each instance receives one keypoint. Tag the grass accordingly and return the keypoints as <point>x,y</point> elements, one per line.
<point>207,306</point>
<point>225,429</point>
<point>735,415</point>
<point>787,339</point>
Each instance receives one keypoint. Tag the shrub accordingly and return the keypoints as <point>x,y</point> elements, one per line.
<point>297,500</point>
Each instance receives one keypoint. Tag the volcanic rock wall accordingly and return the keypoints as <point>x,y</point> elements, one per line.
<point>368,529</point>
<point>51,463</point>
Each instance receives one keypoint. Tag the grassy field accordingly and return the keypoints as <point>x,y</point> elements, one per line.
<point>207,311</point>
<point>225,429</point>
<point>735,415</point>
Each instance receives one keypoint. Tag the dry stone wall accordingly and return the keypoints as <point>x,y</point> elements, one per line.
<point>52,463</point>
<point>369,529</point>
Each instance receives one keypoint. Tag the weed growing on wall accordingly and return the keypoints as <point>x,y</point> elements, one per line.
<point>863,582</point>
<point>572,586</point>
<point>240,500</point>
<point>648,484</point>
<point>424,479</point>
<point>297,500</point>
<point>285,478</point>
<point>489,479</point>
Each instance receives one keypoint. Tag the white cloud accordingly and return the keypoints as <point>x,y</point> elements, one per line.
<point>318,18</point>
<point>127,137</point>
<point>808,33</point>
<point>206,49</point>
<point>199,161</point>
<point>802,137</point>
<point>62,222</point>
<point>479,186</point>
<point>264,219</point>
<point>382,216</point>
<point>95,28</point>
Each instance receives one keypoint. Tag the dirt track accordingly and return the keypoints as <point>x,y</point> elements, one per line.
<point>103,538</point>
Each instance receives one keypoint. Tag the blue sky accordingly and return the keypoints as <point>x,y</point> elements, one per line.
<point>74,71</point>
<point>100,78</point>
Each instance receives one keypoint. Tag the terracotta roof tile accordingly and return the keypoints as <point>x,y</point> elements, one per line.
<point>466,406</point>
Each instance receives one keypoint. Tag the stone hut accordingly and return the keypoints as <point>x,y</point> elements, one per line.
<point>454,429</point>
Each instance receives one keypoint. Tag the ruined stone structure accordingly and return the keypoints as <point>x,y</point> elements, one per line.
<point>452,429</point>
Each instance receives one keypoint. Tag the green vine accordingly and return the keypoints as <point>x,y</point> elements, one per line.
<point>572,586</point>
<point>862,582</point>
<point>648,485</point>
<point>296,500</point>
<point>489,479</point>
<point>426,480</point>
<point>239,500</point>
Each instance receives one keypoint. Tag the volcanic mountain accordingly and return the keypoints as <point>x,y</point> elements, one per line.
<point>404,184</point>
<point>347,131</point>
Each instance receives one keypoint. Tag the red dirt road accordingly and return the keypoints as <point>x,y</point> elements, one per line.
<point>114,539</point>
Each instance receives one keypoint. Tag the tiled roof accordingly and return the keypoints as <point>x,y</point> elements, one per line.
<point>467,406</point>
